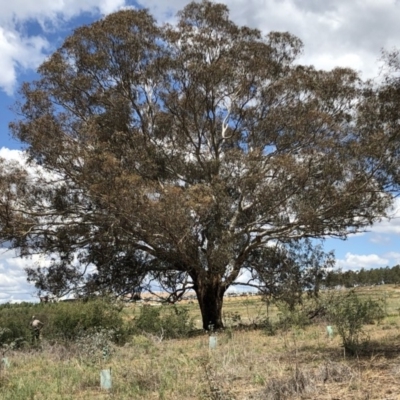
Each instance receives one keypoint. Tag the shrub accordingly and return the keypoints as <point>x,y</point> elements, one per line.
<point>9,344</point>
<point>95,345</point>
<point>231,318</point>
<point>269,328</point>
<point>349,314</point>
<point>68,321</point>
<point>62,321</point>
<point>167,322</point>
<point>148,321</point>
<point>177,322</point>
<point>15,319</point>
<point>290,317</point>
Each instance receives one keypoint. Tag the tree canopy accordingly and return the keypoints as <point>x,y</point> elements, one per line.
<point>188,154</point>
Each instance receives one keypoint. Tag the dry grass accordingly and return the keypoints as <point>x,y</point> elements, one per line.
<point>298,364</point>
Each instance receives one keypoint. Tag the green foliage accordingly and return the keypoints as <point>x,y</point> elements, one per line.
<point>167,322</point>
<point>70,320</point>
<point>292,316</point>
<point>289,317</point>
<point>375,276</point>
<point>15,319</point>
<point>95,345</point>
<point>349,314</point>
<point>9,344</point>
<point>149,320</point>
<point>62,321</point>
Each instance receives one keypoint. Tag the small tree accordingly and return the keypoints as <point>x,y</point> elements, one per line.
<point>186,155</point>
<point>349,314</point>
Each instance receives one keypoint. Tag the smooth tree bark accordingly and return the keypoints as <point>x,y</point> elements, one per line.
<point>189,154</point>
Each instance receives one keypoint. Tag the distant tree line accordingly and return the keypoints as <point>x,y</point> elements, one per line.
<point>363,277</point>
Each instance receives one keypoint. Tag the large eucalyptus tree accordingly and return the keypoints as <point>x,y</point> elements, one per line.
<point>189,154</point>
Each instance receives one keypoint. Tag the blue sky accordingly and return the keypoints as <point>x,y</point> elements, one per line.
<point>334,32</point>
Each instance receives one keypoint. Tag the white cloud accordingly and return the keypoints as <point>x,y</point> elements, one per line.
<point>380,239</point>
<point>14,286</point>
<point>13,283</point>
<point>394,256</point>
<point>8,154</point>
<point>109,6</point>
<point>358,261</point>
<point>19,51</point>
<point>335,32</point>
<point>389,225</point>
<point>20,158</point>
<point>19,11</point>
<point>367,261</point>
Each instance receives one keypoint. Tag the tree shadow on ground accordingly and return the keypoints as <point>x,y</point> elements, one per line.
<point>366,351</point>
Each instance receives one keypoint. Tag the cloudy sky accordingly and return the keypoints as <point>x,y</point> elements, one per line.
<point>334,32</point>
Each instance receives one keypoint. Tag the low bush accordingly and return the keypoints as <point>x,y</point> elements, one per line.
<point>148,321</point>
<point>62,321</point>
<point>296,317</point>
<point>167,322</point>
<point>68,321</point>
<point>15,320</point>
<point>231,318</point>
<point>349,314</point>
<point>270,328</point>
<point>95,346</point>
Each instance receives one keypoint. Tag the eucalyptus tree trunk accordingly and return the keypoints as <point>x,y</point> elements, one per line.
<point>210,295</point>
